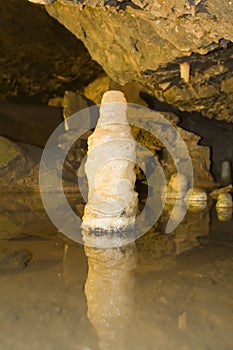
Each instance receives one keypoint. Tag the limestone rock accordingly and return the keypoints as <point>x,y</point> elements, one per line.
<point>15,166</point>
<point>196,195</point>
<point>217,191</point>
<point>14,161</point>
<point>39,58</point>
<point>95,90</point>
<point>224,214</point>
<point>146,41</point>
<point>9,152</point>
<point>200,156</point>
<point>177,186</point>
<point>224,200</point>
<point>19,172</point>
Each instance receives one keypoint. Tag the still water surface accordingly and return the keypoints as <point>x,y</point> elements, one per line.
<point>165,291</point>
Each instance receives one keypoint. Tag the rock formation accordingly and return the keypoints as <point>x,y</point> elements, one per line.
<point>39,58</point>
<point>144,41</point>
<point>112,201</point>
<point>148,41</point>
<point>179,52</point>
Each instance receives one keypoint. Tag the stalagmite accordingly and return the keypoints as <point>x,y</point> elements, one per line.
<point>225,173</point>
<point>112,201</point>
<point>185,71</point>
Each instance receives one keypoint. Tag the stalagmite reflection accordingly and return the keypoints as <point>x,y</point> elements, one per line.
<point>224,214</point>
<point>109,291</point>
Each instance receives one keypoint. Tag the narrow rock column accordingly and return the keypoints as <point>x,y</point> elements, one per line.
<point>112,201</point>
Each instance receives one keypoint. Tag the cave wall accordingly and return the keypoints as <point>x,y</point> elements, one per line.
<point>143,42</point>
<point>39,58</point>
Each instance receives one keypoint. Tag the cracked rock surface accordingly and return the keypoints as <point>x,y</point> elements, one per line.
<point>146,41</point>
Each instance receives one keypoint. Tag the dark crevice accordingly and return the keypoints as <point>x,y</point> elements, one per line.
<point>121,5</point>
<point>218,135</point>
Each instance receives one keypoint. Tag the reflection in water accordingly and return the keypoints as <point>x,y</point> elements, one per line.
<point>109,293</point>
<point>156,245</point>
<point>195,224</point>
<point>109,287</point>
<point>224,214</point>
<point>174,297</point>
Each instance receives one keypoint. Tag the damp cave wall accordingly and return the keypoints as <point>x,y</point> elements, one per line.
<point>143,43</point>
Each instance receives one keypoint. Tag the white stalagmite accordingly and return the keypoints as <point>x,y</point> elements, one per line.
<point>112,201</point>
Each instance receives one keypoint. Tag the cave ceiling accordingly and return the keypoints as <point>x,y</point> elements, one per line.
<point>149,41</point>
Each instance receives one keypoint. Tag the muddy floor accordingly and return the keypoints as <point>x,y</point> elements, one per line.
<point>164,292</point>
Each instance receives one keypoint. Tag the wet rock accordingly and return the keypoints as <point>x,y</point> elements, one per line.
<point>95,90</point>
<point>217,135</point>
<point>23,218</point>
<point>197,206</point>
<point>224,214</point>
<point>177,186</point>
<point>40,59</point>
<point>72,103</point>
<point>14,161</point>
<point>200,157</point>
<point>19,173</point>
<point>73,162</point>
<point>196,195</point>
<point>16,168</point>
<point>14,260</point>
<point>214,194</point>
<point>132,92</point>
<point>224,200</point>
<point>156,245</point>
<point>9,152</point>
<point>9,229</point>
<point>194,225</point>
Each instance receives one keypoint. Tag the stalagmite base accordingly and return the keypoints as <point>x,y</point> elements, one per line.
<point>112,201</point>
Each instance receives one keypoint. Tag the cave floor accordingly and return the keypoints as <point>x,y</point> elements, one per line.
<point>143,297</point>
